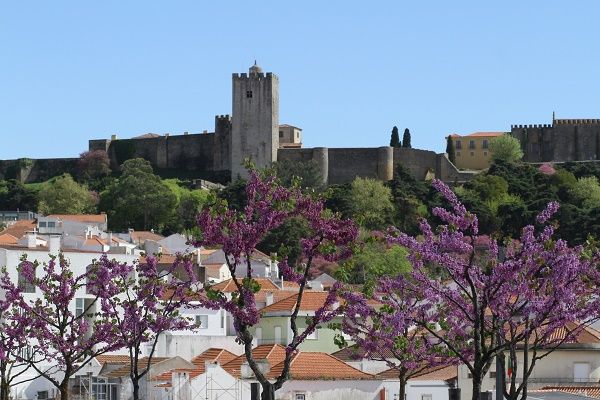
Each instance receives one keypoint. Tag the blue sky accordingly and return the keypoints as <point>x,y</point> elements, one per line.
<point>349,71</point>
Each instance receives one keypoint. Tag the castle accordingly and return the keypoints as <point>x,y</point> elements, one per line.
<point>563,140</point>
<point>253,132</point>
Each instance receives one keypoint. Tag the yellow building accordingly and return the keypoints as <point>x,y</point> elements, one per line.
<point>473,151</point>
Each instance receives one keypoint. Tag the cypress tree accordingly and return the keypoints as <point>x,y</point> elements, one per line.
<point>395,140</point>
<point>406,139</point>
<point>450,150</point>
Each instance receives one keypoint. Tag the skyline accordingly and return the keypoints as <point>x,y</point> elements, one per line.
<point>347,73</point>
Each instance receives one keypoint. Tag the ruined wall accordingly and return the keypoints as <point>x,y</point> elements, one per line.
<point>29,170</point>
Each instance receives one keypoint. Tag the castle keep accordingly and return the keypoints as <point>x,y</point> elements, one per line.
<point>253,131</point>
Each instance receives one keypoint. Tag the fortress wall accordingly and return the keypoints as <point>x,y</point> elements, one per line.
<point>37,170</point>
<point>418,162</point>
<point>345,164</point>
<point>298,155</point>
<point>192,152</point>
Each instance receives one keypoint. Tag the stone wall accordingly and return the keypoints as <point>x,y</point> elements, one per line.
<point>564,140</point>
<point>29,170</point>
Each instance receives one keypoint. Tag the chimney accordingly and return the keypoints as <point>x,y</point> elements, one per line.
<point>54,244</point>
<point>110,239</point>
<point>246,371</point>
<point>269,298</point>
<point>31,240</point>
<point>113,137</point>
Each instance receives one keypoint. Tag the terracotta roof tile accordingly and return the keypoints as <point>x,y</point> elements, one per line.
<point>311,301</point>
<point>142,236</point>
<point>583,390</point>
<point>20,228</point>
<point>319,366</point>
<point>229,286</point>
<point>212,355</point>
<point>113,359</point>
<point>142,364</point>
<point>274,353</point>
<point>95,218</point>
<point>7,238</point>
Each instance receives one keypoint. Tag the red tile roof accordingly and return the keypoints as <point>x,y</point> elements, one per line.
<point>20,228</point>
<point>142,364</point>
<point>273,353</point>
<point>142,236</point>
<point>319,366</point>
<point>212,355</point>
<point>229,286</point>
<point>7,238</point>
<point>311,301</point>
<point>94,218</point>
<point>113,359</point>
<point>589,390</point>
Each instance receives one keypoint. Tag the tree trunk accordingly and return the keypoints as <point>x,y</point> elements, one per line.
<point>136,389</point>
<point>402,390</point>
<point>4,390</point>
<point>268,392</point>
<point>476,387</point>
<point>64,389</point>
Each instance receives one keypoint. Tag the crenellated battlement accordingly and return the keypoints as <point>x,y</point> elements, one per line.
<point>531,126</point>
<point>225,117</point>
<point>594,121</point>
<point>246,76</point>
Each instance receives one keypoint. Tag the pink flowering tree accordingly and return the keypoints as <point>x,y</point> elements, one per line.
<point>66,339</point>
<point>485,304</point>
<point>149,303</point>
<point>238,232</point>
<point>15,356</point>
<point>383,329</point>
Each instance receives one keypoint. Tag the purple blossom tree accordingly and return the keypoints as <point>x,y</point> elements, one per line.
<point>66,340</point>
<point>149,303</point>
<point>383,329</point>
<point>238,232</point>
<point>485,305</point>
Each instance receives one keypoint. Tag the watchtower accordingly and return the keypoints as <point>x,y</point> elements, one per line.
<point>255,120</point>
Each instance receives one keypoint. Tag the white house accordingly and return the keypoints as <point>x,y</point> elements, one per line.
<point>432,384</point>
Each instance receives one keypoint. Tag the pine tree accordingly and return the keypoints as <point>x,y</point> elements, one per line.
<point>395,140</point>
<point>450,150</point>
<point>406,139</point>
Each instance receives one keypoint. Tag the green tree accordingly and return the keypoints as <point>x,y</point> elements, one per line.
<point>372,262</point>
<point>62,195</point>
<point>93,165</point>
<point>406,139</point>
<point>506,148</point>
<point>189,205</point>
<point>395,139</point>
<point>138,199</point>
<point>371,203</point>
<point>450,150</point>
<point>586,192</point>
<point>14,195</point>
<point>285,240</point>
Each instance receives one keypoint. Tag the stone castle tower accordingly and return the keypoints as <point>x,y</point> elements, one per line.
<point>255,120</point>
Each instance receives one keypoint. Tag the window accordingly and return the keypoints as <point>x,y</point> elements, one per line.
<point>485,153</point>
<point>493,374</point>
<point>471,144</point>
<point>458,153</point>
<point>458,144</point>
<point>297,135</point>
<point>222,319</point>
<point>42,395</point>
<point>485,144</point>
<point>248,94</point>
<point>42,224</point>
<point>426,396</point>
<point>280,134</point>
<point>79,306</point>
<point>202,321</point>
<point>300,396</point>
<point>472,154</point>
<point>51,224</point>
